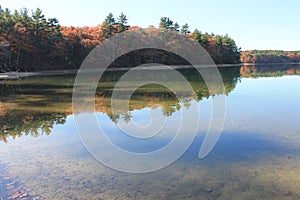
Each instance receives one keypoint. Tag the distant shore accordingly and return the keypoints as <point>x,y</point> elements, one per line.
<point>15,74</point>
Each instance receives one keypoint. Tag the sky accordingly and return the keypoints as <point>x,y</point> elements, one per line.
<point>253,24</point>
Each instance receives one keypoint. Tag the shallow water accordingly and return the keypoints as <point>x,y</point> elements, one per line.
<point>256,157</point>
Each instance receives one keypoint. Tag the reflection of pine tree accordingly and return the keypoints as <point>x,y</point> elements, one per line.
<point>114,118</point>
<point>33,123</point>
<point>38,108</point>
<point>168,110</point>
<point>126,117</point>
<point>178,106</point>
<point>186,102</point>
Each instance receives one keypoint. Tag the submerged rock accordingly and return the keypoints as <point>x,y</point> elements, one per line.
<point>16,195</point>
<point>207,190</point>
<point>10,184</point>
<point>23,195</point>
<point>289,193</point>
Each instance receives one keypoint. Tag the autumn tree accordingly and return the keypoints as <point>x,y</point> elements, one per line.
<point>270,56</point>
<point>32,41</point>
<point>32,38</point>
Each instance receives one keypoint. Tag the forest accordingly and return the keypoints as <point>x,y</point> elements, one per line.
<point>270,56</point>
<point>31,42</point>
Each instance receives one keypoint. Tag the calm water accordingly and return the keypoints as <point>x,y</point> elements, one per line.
<point>256,157</point>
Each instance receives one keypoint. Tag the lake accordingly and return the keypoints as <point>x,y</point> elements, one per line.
<point>256,157</point>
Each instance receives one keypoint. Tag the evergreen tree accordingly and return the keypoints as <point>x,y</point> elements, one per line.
<point>39,26</point>
<point>110,19</point>
<point>166,23</point>
<point>185,29</point>
<point>4,52</point>
<point>204,38</point>
<point>176,27</point>
<point>197,35</point>
<point>122,20</point>
<point>108,26</point>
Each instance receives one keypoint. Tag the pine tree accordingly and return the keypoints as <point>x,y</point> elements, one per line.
<point>185,29</point>
<point>197,35</point>
<point>108,26</point>
<point>176,27</point>
<point>122,20</point>
<point>166,23</point>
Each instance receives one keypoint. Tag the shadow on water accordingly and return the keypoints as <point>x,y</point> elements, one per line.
<point>241,146</point>
<point>243,165</point>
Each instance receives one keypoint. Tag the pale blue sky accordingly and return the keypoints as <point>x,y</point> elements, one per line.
<point>253,24</point>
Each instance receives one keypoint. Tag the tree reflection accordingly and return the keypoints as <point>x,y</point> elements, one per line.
<point>33,106</point>
<point>275,70</point>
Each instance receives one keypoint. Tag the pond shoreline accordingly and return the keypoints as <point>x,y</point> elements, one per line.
<point>16,74</point>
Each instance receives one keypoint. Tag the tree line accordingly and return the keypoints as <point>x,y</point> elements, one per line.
<point>270,56</point>
<point>221,48</point>
<point>30,41</point>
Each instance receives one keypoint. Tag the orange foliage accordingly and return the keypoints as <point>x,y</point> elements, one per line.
<point>2,110</point>
<point>270,56</point>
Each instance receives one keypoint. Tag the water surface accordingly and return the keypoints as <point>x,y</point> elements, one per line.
<point>256,157</point>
